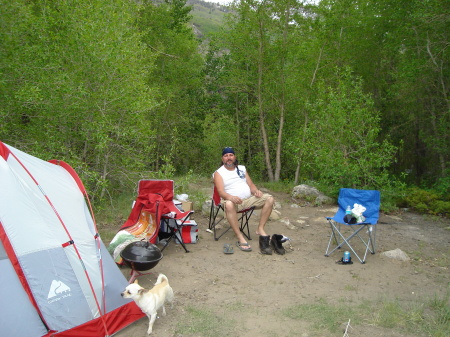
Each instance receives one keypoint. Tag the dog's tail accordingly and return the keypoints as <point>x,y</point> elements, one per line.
<point>161,279</point>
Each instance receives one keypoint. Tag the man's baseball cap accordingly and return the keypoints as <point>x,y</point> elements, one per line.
<point>227,150</point>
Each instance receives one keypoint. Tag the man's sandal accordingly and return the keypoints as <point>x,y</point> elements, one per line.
<point>227,249</point>
<point>243,245</point>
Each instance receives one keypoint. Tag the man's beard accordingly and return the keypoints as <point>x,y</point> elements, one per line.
<point>229,164</point>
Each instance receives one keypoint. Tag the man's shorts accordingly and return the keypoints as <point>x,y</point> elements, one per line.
<point>252,201</point>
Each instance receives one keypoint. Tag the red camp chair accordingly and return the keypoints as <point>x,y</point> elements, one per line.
<point>215,218</point>
<point>171,216</point>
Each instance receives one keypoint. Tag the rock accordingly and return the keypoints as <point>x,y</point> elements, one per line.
<point>396,254</point>
<point>288,224</point>
<point>305,191</point>
<point>291,226</point>
<point>285,221</point>
<point>324,200</point>
<point>307,195</point>
<point>206,207</point>
<point>275,215</point>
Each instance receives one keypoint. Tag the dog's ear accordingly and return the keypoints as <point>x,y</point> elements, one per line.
<point>142,291</point>
<point>136,281</point>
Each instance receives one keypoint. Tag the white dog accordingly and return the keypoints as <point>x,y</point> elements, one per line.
<point>151,300</point>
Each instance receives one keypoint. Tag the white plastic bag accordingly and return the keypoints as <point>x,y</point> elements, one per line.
<point>182,197</point>
<point>358,211</point>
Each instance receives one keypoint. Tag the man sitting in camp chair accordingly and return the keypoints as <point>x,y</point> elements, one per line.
<point>238,192</point>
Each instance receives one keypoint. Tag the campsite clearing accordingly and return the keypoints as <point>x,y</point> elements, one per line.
<point>304,293</point>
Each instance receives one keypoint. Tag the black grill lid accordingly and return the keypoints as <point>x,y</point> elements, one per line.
<point>141,251</point>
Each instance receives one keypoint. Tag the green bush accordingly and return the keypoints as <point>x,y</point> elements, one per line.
<point>442,186</point>
<point>427,201</point>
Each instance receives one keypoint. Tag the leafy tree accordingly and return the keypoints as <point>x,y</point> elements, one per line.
<point>342,136</point>
<point>266,75</point>
<point>74,76</point>
<point>399,49</point>
<point>177,74</point>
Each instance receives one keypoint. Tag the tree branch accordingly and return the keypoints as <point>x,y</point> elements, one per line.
<point>160,52</point>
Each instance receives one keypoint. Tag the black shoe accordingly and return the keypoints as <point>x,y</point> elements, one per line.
<point>264,245</point>
<point>276,244</point>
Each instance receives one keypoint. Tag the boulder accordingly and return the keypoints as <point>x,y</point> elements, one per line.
<point>396,254</point>
<point>206,207</point>
<point>275,215</point>
<point>306,195</point>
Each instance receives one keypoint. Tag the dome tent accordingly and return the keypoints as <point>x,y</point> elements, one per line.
<point>56,273</point>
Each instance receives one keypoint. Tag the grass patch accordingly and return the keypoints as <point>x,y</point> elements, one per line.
<point>280,186</point>
<point>390,314</point>
<point>203,322</point>
<point>110,216</point>
<point>426,254</point>
<point>194,186</point>
<point>323,316</point>
<point>421,318</point>
<point>350,288</point>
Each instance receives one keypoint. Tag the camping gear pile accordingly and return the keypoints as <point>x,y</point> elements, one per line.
<point>144,228</point>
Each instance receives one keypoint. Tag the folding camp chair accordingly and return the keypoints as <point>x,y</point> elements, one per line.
<point>171,216</point>
<point>215,218</point>
<point>365,230</point>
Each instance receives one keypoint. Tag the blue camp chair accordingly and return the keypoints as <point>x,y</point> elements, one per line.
<point>365,231</point>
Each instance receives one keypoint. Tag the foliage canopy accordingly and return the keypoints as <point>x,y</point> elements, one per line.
<point>341,92</point>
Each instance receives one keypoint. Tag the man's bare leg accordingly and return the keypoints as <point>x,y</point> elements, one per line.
<point>265,213</point>
<point>232,217</point>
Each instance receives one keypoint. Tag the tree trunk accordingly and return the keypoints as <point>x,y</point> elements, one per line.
<point>260,103</point>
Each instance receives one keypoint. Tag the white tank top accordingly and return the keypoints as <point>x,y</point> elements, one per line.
<point>235,184</point>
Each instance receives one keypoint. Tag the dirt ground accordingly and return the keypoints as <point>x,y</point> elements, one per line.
<point>252,290</point>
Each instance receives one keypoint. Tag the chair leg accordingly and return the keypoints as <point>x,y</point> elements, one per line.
<point>336,233</point>
<point>212,216</point>
<point>135,274</point>
<point>179,229</point>
<point>243,226</point>
<point>244,223</point>
<point>173,234</point>
<point>213,221</point>
<point>176,238</point>
<point>370,246</point>
<point>221,234</point>
<point>242,220</point>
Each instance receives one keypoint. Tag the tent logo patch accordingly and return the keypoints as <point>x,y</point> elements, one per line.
<point>58,291</point>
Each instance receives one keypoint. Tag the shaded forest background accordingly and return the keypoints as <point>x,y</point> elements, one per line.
<point>344,93</point>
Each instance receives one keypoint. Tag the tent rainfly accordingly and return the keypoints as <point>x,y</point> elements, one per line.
<point>56,276</point>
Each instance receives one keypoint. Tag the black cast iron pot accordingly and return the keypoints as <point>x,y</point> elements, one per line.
<point>141,255</point>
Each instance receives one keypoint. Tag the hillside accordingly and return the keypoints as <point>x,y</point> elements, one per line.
<point>207,17</point>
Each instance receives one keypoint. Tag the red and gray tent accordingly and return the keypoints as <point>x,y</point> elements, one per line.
<point>56,276</point>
